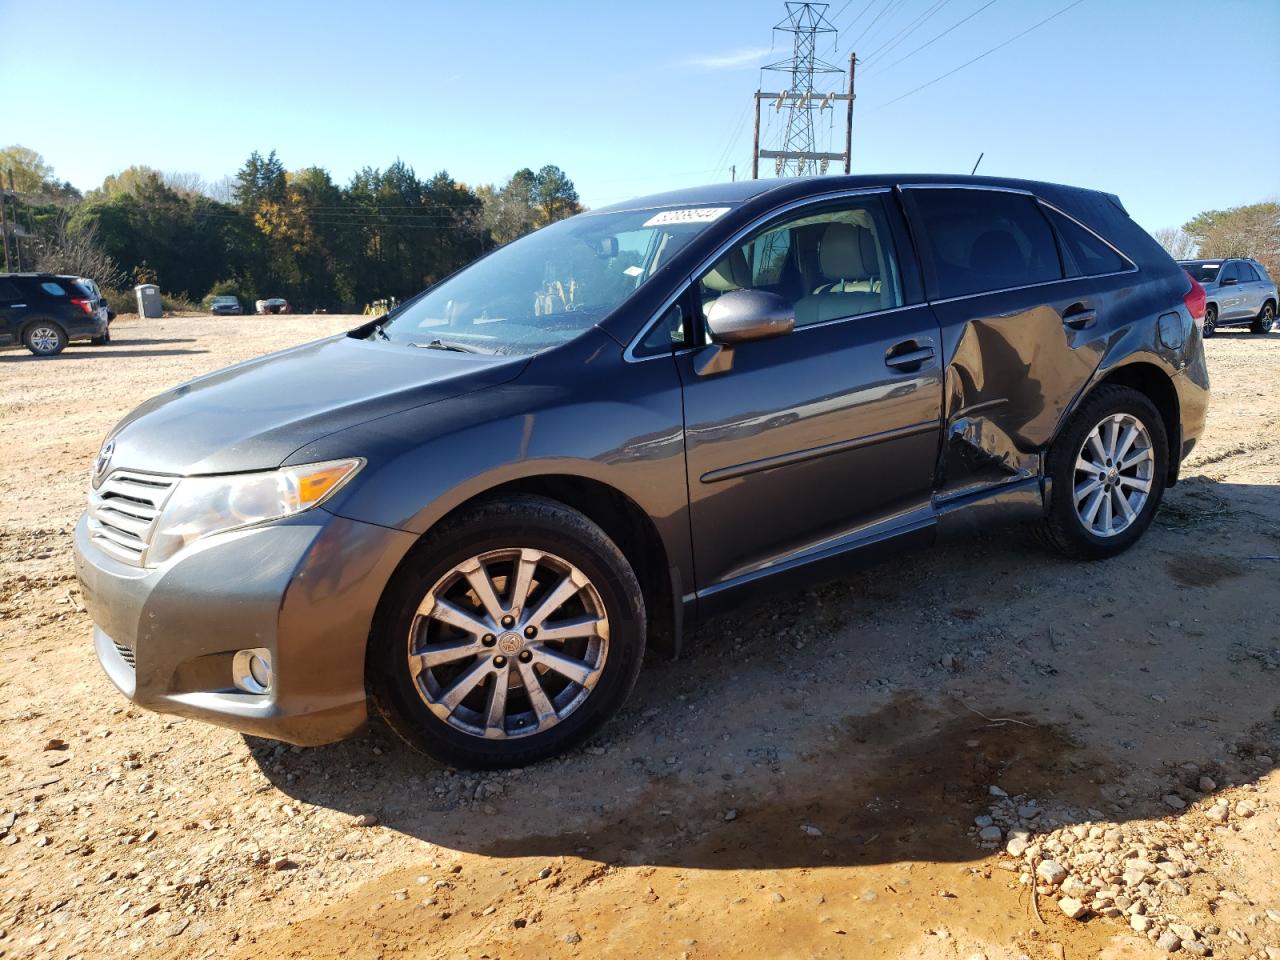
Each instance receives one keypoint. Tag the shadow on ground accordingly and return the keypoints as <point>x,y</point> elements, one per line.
<point>1075,678</point>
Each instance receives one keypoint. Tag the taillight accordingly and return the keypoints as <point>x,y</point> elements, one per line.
<point>87,305</point>
<point>1194,299</point>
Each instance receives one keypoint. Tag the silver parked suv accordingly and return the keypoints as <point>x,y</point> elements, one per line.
<point>1239,293</point>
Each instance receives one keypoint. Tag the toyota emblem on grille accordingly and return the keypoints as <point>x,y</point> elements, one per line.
<point>104,459</point>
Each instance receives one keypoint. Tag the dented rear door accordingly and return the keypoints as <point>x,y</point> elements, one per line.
<point>1019,338</point>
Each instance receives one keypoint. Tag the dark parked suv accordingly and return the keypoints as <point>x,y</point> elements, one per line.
<point>478,510</point>
<point>45,312</point>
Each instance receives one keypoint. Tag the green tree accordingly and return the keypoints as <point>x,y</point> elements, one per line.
<point>555,195</point>
<point>30,171</point>
<point>1248,231</point>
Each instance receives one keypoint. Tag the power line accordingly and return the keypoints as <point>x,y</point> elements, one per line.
<point>906,31</point>
<point>985,53</point>
<point>928,43</point>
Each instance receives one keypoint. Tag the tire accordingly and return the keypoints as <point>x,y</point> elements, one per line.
<point>45,338</point>
<point>499,537</point>
<point>1266,318</point>
<point>1067,528</point>
<point>1210,321</point>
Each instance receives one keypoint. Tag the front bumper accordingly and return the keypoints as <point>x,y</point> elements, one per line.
<point>305,588</point>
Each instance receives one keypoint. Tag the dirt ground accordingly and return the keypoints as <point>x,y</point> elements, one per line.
<point>812,780</point>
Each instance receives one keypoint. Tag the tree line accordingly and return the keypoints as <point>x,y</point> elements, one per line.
<point>273,232</point>
<point>1252,231</point>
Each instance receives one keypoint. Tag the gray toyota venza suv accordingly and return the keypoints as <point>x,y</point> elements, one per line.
<point>478,511</point>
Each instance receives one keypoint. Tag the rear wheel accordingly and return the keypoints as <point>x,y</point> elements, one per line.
<point>510,634</point>
<point>45,338</point>
<point>1210,320</point>
<point>1266,319</point>
<point>1108,471</point>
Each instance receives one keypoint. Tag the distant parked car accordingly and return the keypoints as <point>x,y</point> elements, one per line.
<point>273,305</point>
<point>1239,293</point>
<point>225,306</point>
<point>100,301</point>
<point>45,312</point>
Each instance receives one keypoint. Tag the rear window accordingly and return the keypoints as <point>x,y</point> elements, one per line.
<point>1203,272</point>
<point>985,240</point>
<point>1086,254</point>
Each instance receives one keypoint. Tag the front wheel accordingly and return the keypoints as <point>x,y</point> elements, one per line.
<point>510,634</point>
<point>1266,319</point>
<point>1107,472</point>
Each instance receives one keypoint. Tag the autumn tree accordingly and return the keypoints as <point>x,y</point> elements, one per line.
<point>1248,231</point>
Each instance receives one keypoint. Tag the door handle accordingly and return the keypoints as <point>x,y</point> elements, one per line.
<point>1079,316</point>
<point>908,355</point>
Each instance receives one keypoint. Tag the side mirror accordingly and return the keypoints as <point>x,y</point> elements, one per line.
<point>1228,281</point>
<point>740,316</point>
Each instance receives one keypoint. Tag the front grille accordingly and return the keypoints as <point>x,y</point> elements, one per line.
<point>123,512</point>
<point>126,653</point>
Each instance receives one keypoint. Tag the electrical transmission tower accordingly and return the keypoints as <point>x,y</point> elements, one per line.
<point>807,93</point>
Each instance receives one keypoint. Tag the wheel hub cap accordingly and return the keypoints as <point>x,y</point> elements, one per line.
<point>508,643</point>
<point>1115,467</point>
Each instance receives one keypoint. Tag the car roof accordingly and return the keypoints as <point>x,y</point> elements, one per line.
<point>741,191</point>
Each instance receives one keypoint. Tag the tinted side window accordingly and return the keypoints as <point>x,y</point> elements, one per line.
<point>1247,273</point>
<point>983,240</point>
<point>831,261</point>
<point>1085,254</point>
<point>9,291</point>
<point>53,288</point>
<point>1229,272</point>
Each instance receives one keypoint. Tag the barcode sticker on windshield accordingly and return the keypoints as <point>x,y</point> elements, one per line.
<point>689,215</point>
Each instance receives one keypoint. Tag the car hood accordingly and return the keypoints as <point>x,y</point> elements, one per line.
<point>251,416</point>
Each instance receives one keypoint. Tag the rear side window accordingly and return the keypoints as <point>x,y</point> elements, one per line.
<point>985,240</point>
<point>1247,273</point>
<point>9,292</point>
<point>1084,253</point>
<point>53,288</point>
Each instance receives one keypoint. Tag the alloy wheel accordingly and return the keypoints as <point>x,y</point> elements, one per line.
<point>44,339</point>
<point>1210,322</point>
<point>1114,470</point>
<point>508,643</point>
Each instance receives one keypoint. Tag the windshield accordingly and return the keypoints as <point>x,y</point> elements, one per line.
<point>1203,272</point>
<point>549,287</point>
<point>224,299</point>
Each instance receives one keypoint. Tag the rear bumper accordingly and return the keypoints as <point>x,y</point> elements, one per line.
<point>305,589</point>
<point>87,328</point>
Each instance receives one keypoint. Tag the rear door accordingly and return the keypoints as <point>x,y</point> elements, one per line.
<point>1250,288</point>
<point>12,309</point>
<point>1230,292</point>
<point>810,442</point>
<point>1023,324</point>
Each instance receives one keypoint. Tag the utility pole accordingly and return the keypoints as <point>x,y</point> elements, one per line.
<point>797,152</point>
<point>17,241</point>
<point>4,227</point>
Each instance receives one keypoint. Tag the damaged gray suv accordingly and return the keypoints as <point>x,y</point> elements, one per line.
<point>477,512</point>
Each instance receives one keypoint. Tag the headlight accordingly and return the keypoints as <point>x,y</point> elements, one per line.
<point>200,506</point>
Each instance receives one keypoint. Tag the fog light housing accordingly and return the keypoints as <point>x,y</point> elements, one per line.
<point>251,670</point>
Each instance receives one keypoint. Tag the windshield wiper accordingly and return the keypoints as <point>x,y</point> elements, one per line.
<point>438,344</point>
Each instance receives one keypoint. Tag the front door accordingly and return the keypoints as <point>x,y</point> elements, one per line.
<point>824,436</point>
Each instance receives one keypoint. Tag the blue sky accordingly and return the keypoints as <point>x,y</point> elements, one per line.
<point>1171,104</point>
